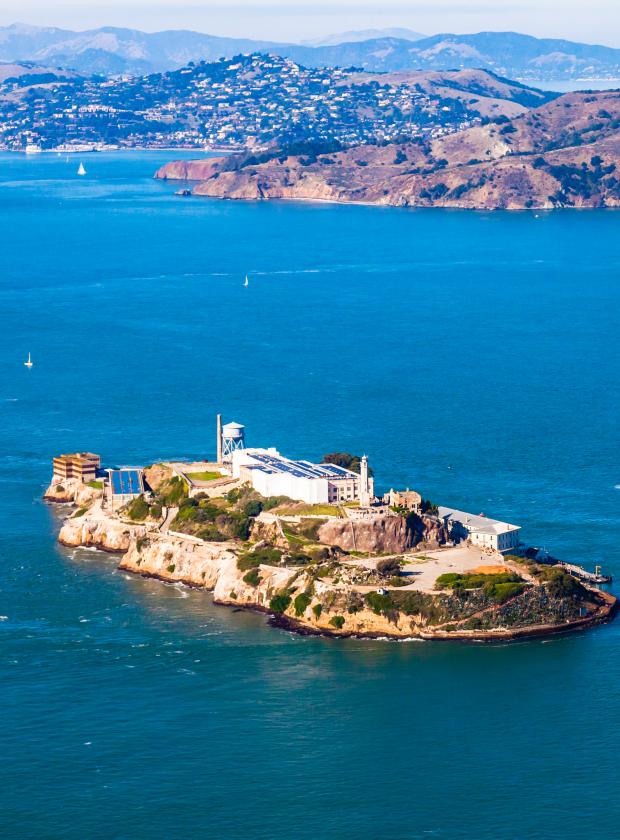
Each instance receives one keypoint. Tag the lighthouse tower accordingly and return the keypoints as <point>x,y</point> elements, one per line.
<point>365,488</point>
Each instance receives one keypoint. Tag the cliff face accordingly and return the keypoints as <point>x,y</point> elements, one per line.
<point>565,153</point>
<point>92,530</point>
<point>71,491</point>
<point>305,597</point>
<point>380,534</point>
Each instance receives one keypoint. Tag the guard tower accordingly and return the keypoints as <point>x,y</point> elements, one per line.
<point>233,437</point>
<point>365,484</point>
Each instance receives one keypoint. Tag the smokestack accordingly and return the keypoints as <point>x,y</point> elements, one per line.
<point>219,438</point>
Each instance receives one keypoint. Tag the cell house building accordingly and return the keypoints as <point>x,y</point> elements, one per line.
<point>272,474</point>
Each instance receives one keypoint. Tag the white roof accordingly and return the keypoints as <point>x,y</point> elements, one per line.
<point>479,523</point>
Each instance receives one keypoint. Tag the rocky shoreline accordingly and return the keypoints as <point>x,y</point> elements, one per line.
<point>564,153</point>
<point>307,603</point>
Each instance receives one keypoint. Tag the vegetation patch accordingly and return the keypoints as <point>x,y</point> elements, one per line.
<point>301,603</point>
<point>138,509</point>
<point>252,578</point>
<point>266,556</point>
<point>96,485</point>
<point>205,475</point>
<point>337,621</point>
<point>280,603</point>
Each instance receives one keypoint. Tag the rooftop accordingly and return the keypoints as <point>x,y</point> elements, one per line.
<point>272,464</point>
<point>480,523</point>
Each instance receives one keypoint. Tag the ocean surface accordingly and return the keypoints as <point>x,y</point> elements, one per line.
<point>474,356</point>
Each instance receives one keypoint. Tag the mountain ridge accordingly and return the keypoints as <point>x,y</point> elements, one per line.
<point>118,51</point>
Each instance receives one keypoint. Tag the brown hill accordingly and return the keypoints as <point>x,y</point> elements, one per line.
<point>564,153</point>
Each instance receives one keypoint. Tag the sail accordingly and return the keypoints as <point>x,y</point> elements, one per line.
<point>81,170</point>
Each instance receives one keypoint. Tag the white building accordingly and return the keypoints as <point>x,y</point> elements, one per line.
<point>271,474</point>
<point>480,530</point>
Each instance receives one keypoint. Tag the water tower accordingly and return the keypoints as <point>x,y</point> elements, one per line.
<point>233,437</point>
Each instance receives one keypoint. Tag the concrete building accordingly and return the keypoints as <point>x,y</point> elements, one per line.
<point>272,474</point>
<point>408,499</point>
<point>80,465</point>
<point>480,530</point>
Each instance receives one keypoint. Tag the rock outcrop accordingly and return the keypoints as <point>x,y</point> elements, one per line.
<point>95,530</point>
<point>71,491</point>
<point>380,534</point>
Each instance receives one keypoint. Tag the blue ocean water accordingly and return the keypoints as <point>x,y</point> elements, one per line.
<point>474,356</point>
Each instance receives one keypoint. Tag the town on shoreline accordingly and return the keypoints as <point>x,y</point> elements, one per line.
<point>313,545</point>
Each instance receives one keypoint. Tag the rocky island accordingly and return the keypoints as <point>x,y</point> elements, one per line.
<point>563,153</point>
<point>395,566</point>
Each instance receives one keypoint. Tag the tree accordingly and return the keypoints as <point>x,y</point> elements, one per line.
<point>388,567</point>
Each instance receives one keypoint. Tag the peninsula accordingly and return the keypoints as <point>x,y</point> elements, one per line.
<point>563,153</point>
<point>314,545</point>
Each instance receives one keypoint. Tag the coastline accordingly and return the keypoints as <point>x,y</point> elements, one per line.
<point>213,567</point>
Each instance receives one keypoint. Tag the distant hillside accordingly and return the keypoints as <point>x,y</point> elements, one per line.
<point>506,53</point>
<point>364,35</point>
<point>111,50</point>
<point>115,51</point>
<point>565,153</point>
<point>251,101</point>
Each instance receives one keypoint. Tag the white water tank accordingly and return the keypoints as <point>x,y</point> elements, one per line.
<point>233,438</point>
<point>233,431</point>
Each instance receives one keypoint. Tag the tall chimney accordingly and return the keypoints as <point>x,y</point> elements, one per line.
<point>219,438</point>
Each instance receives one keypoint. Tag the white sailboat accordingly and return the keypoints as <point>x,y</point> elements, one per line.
<point>246,281</point>
<point>81,170</point>
<point>29,363</point>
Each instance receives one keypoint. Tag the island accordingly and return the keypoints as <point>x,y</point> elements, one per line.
<point>314,546</point>
<point>562,153</point>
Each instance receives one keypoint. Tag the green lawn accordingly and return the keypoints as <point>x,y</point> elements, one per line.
<point>96,485</point>
<point>310,510</point>
<point>204,476</point>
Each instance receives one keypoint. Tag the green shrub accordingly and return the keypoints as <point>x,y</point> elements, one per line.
<point>337,621</point>
<point>452,580</point>
<point>563,585</point>
<point>156,511</point>
<point>210,533</point>
<point>317,609</point>
<point>502,592</point>
<point>267,556</point>
<point>252,508</point>
<point>252,577</point>
<point>173,491</point>
<point>141,543</point>
<point>301,603</point>
<point>379,604</point>
<point>280,603</point>
<point>137,509</point>
<point>171,568</point>
<point>60,488</point>
<point>96,485</point>
<point>397,581</point>
<point>80,512</point>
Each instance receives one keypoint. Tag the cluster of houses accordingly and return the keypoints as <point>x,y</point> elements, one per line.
<point>252,101</point>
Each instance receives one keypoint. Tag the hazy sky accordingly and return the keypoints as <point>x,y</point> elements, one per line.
<point>587,20</point>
